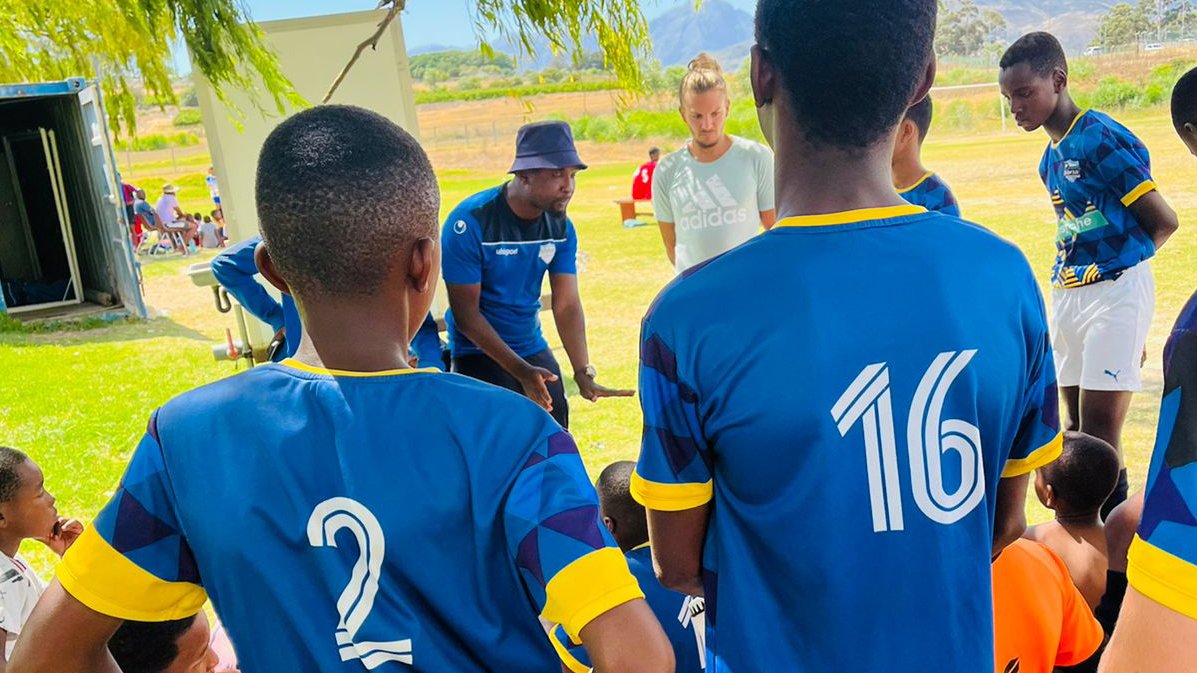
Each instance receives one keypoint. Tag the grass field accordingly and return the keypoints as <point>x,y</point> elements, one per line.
<point>78,401</point>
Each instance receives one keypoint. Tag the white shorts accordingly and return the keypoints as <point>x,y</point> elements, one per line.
<point>1099,330</point>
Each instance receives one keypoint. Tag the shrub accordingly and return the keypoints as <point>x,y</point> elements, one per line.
<point>188,117</point>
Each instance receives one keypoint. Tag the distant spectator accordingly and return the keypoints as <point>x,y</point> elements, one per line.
<point>145,218</point>
<point>26,511</point>
<point>642,183</point>
<point>209,236</point>
<point>129,192</point>
<point>176,646</point>
<point>171,215</point>
<point>213,186</point>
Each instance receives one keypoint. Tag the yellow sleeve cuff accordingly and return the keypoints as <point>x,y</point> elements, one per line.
<point>1162,577</point>
<point>567,658</point>
<point>1048,453</point>
<point>588,587</point>
<point>101,578</point>
<point>670,497</point>
<point>1138,192</point>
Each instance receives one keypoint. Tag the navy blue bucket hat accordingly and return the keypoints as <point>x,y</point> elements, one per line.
<point>545,145</point>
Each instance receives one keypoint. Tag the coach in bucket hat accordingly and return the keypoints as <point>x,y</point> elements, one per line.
<point>545,145</point>
<point>496,249</point>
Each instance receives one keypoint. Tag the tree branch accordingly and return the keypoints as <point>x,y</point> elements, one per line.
<point>371,42</point>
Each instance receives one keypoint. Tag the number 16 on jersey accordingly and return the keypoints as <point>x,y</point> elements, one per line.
<point>929,437</point>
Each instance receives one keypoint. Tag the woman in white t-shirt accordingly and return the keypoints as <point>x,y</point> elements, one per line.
<point>717,191</point>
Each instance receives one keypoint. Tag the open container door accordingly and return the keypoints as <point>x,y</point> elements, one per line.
<point>38,144</point>
<point>91,105</point>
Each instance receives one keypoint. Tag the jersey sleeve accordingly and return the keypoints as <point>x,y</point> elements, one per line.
<point>764,180</point>
<point>673,472</point>
<point>566,258</point>
<point>662,209</point>
<point>1038,440</point>
<point>134,562</point>
<point>573,656</point>
<point>1123,165</point>
<point>235,269</point>
<point>461,250</point>
<point>568,561</point>
<point>1080,633</point>
<point>1163,556</point>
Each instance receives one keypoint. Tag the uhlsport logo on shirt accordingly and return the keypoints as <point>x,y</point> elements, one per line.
<point>715,207</point>
<point>459,227</point>
<point>504,252</point>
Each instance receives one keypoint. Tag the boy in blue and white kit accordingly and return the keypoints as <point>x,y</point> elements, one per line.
<point>906,401</point>
<point>1111,222</point>
<point>368,516</point>
<point>914,182</point>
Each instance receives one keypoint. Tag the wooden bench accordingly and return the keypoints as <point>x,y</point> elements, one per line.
<point>629,209</point>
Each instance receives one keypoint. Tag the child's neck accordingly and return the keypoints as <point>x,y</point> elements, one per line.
<point>815,180</point>
<point>9,544</point>
<point>1086,520</point>
<point>1060,122</point>
<point>907,173</point>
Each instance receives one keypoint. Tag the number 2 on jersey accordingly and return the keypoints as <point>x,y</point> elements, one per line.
<point>928,437</point>
<point>357,599</point>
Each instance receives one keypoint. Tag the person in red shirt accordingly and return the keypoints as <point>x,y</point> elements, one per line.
<point>642,183</point>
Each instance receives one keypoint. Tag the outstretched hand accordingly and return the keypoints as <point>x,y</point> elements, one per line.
<point>592,390</point>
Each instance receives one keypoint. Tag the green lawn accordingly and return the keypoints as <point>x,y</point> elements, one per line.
<point>78,401</point>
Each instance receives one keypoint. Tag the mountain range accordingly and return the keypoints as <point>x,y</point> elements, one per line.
<point>726,31</point>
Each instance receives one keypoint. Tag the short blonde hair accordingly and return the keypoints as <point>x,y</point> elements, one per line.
<point>703,74</point>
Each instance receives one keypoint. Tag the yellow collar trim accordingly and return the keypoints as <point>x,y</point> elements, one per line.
<point>850,216</point>
<point>296,364</point>
<point>916,184</point>
<point>641,546</point>
<point>1071,126</point>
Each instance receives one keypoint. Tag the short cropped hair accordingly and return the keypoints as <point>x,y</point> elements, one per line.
<point>615,496</point>
<point>920,113</point>
<point>340,189</point>
<point>10,481</point>
<point>850,68</point>
<point>1039,50</point>
<point>1085,474</point>
<point>147,647</point>
<point>1184,100</point>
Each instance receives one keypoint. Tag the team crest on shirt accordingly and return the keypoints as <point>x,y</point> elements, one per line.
<point>459,227</point>
<point>1072,170</point>
<point>547,252</point>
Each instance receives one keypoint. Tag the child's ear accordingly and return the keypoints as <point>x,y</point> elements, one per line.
<point>1049,497</point>
<point>421,266</point>
<point>1059,80</point>
<point>268,270</point>
<point>610,524</point>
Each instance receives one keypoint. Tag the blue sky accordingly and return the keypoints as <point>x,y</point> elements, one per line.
<point>445,22</point>
<point>424,21</point>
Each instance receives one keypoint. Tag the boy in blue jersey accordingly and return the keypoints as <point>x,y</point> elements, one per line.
<point>498,246</point>
<point>343,511</point>
<point>1157,628</point>
<point>1111,222</point>
<point>916,184</point>
<point>681,615</point>
<point>236,271</point>
<point>906,401</point>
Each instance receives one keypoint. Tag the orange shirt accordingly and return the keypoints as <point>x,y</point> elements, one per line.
<point>1040,618</point>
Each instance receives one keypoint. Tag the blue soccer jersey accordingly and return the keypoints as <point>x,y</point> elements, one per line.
<point>484,242</point>
<point>849,435</point>
<point>932,193</point>
<point>1163,558</point>
<point>1094,174</point>
<point>339,517</point>
<point>680,615</point>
